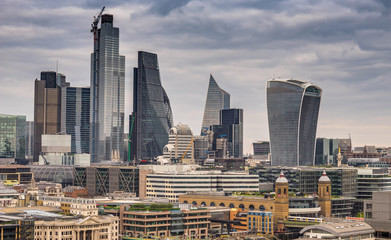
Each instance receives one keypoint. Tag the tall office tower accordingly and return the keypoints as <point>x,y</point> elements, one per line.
<point>29,134</point>
<point>107,93</point>
<point>216,100</point>
<point>75,117</point>
<point>326,151</point>
<point>47,109</point>
<point>231,128</point>
<point>293,109</point>
<point>12,136</point>
<point>151,110</point>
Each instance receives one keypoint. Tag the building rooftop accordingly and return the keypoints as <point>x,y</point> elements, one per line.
<point>342,229</point>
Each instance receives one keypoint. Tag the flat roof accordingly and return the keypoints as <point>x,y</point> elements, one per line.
<point>342,229</point>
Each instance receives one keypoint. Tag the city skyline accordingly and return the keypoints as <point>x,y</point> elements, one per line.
<point>341,47</point>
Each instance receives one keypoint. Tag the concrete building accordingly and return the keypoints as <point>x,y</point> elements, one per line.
<point>180,147</point>
<point>377,213</point>
<point>93,228</point>
<point>74,206</point>
<point>371,180</point>
<point>150,221</point>
<point>171,185</point>
<point>305,179</point>
<point>339,231</point>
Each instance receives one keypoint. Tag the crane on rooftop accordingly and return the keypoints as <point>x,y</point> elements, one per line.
<point>94,25</point>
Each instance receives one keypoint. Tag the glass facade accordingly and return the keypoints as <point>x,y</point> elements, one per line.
<point>326,151</point>
<point>29,134</point>
<point>75,117</point>
<point>216,100</point>
<point>293,109</point>
<point>107,94</point>
<point>231,128</point>
<point>151,108</point>
<point>12,136</point>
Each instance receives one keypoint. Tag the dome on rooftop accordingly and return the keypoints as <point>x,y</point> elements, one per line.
<point>324,177</point>
<point>282,178</point>
<point>181,129</point>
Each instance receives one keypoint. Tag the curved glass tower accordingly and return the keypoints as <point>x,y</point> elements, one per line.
<point>151,110</point>
<point>293,109</point>
<point>216,100</point>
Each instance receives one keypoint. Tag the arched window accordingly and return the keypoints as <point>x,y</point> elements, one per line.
<point>185,202</point>
<point>261,208</point>
<point>285,191</point>
<point>231,205</point>
<point>327,189</point>
<point>212,204</point>
<point>194,203</point>
<point>222,205</point>
<point>203,204</point>
<point>279,191</point>
<point>241,206</point>
<point>251,207</point>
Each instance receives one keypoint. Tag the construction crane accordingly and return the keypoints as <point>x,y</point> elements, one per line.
<point>94,25</point>
<point>44,158</point>
<point>187,149</point>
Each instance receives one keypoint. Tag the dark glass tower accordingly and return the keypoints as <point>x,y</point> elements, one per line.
<point>75,117</point>
<point>293,109</point>
<point>231,128</point>
<point>107,93</point>
<point>151,110</point>
<point>216,100</point>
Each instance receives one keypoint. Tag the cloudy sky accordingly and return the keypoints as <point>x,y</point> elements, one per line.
<point>342,46</point>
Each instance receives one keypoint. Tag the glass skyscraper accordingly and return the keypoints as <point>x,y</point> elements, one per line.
<point>75,117</point>
<point>152,115</point>
<point>231,128</point>
<point>107,94</point>
<point>12,136</point>
<point>216,100</point>
<point>293,109</point>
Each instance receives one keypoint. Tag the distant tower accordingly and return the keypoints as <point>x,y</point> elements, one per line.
<point>281,203</point>
<point>107,93</point>
<point>339,157</point>
<point>216,100</point>
<point>293,109</point>
<point>324,195</point>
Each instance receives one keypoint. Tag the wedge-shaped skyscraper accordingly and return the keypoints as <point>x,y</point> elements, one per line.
<point>107,93</point>
<point>293,109</point>
<point>152,117</point>
<point>216,100</point>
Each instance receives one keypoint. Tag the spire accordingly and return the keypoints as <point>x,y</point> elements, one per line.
<point>324,177</point>
<point>282,178</point>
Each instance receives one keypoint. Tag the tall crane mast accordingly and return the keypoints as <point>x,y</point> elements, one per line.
<point>94,25</point>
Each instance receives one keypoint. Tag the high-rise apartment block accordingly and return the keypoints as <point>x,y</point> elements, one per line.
<point>75,117</point>
<point>12,136</point>
<point>107,93</point>
<point>152,116</point>
<point>293,109</point>
<point>216,100</point>
<point>47,108</point>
